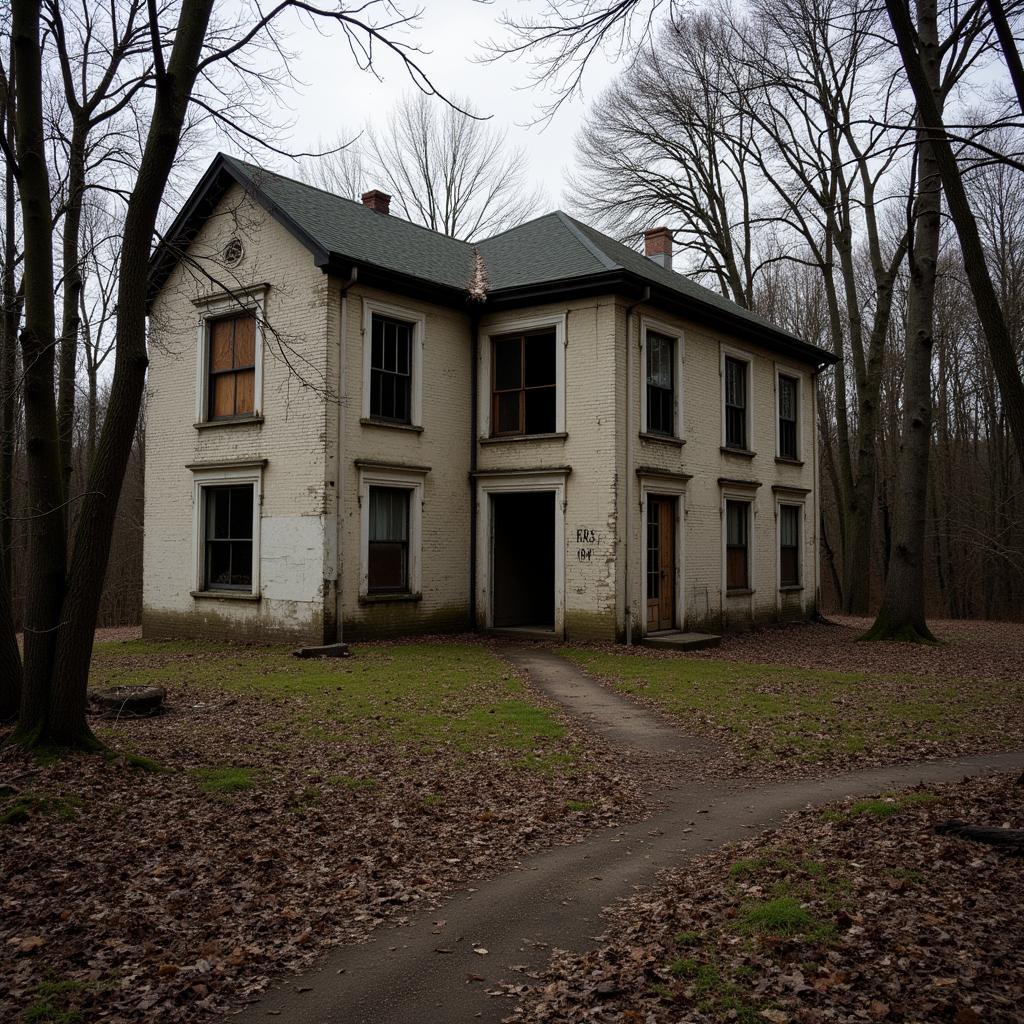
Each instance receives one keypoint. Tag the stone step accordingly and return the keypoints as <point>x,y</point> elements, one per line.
<point>677,640</point>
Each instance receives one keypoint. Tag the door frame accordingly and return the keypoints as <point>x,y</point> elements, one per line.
<point>668,486</point>
<point>488,484</point>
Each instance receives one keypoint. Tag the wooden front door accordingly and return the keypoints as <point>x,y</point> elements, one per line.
<point>661,563</point>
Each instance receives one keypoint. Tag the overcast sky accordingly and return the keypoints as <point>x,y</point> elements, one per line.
<point>338,96</point>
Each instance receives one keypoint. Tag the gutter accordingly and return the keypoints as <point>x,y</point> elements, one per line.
<point>644,297</point>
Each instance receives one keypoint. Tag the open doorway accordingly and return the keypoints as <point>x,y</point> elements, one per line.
<point>523,560</point>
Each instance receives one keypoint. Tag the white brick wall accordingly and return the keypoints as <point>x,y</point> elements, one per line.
<point>312,438</point>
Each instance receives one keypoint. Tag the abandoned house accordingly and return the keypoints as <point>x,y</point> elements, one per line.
<point>360,427</point>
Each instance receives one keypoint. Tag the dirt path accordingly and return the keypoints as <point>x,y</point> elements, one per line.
<point>431,971</point>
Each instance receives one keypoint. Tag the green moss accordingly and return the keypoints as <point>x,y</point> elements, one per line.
<point>28,805</point>
<point>222,781</point>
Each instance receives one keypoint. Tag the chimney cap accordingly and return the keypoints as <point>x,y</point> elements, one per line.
<point>377,200</point>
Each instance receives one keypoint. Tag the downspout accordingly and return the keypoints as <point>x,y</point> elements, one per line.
<point>339,517</point>
<point>644,297</point>
<point>474,334</point>
<point>816,506</point>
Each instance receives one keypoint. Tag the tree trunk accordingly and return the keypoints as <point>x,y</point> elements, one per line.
<point>10,659</point>
<point>11,316</point>
<point>94,527</point>
<point>990,313</point>
<point>45,576</point>
<point>902,613</point>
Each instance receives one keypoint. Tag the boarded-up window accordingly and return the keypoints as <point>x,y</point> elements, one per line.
<point>391,369</point>
<point>737,545</point>
<point>388,561</point>
<point>660,384</point>
<point>523,393</point>
<point>735,403</point>
<point>789,545</point>
<point>232,366</point>
<point>787,417</point>
<point>228,537</point>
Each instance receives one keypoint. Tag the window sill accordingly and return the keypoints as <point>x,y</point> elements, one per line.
<point>230,421</point>
<point>676,442</point>
<point>791,588</point>
<point>783,461</point>
<point>225,595</point>
<point>388,598</point>
<point>743,592</point>
<point>372,422</point>
<point>514,438</point>
<point>743,453</point>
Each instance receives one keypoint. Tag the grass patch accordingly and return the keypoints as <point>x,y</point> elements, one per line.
<point>226,780</point>
<point>578,805</point>
<point>456,695</point>
<point>687,938</point>
<point>29,805</point>
<point>777,711</point>
<point>52,1003</point>
<point>879,807</point>
<point>353,782</point>
<point>782,917</point>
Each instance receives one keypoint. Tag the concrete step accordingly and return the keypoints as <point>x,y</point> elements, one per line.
<point>677,640</point>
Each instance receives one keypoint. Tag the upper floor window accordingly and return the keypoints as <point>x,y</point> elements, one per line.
<point>736,403</point>
<point>231,371</point>
<point>737,545</point>
<point>391,369</point>
<point>524,383</point>
<point>661,384</point>
<point>789,392</point>
<point>228,537</point>
<point>789,545</point>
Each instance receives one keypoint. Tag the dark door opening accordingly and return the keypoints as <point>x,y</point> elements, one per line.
<point>523,559</point>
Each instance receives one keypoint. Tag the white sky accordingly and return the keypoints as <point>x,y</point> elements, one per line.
<point>337,96</point>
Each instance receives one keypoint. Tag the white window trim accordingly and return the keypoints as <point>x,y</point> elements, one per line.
<point>497,329</point>
<point>224,476</point>
<point>212,308</point>
<point>733,493</point>
<point>410,480</point>
<point>667,487</point>
<point>662,327</point>
<point>801,546</point>
<point>782,370</point>
<point>518,483</point>
<point>419,324</point>
<point>747,357</point>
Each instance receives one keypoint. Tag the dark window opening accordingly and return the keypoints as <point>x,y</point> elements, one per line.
<point>787,417</point>
<point>388,563</point>
<point>228,537</point>
<point>735,403</point>
<point>737,545</point>
<point>789,545</point>
<point>660,384</point>
<point>391,369</point>
<point>523,384</point>
<point>231,370</point>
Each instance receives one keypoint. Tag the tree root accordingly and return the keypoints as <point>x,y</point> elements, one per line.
<point>1009,839</point>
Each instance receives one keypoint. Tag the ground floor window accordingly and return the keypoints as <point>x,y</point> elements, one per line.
<point>789,545</point>
<point>228,537</point>
<point>388,559</point>
<point>737,545</point>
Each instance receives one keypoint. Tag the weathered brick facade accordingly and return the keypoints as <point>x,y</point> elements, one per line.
<point>313,452</point>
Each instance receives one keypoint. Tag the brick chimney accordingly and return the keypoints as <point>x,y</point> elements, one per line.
<point>377,200</point>
<point>657,246</point>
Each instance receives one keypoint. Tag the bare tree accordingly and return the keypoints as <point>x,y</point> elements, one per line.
<point>444,167</point>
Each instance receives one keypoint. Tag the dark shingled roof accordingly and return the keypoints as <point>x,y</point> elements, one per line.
<point>550,251</point>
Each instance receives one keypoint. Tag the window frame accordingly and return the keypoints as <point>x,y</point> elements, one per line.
<point>667,330</point>
<point>522,338</point>
<point>799,507</point>
<point>746,547</point>
<point>406,493</point>
<point>218,307</point>
<point>212,375</point>
<point>741,356</point>
<point>418,320</point>
<point>503,327</point>
<point>225,475</point>
<point>411,479</point>
<point>796,375</point>
<point>736,490</point>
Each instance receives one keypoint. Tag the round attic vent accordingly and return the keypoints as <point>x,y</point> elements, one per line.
<point>233,253</point>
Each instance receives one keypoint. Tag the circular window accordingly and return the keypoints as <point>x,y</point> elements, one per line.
<point>233,253</point>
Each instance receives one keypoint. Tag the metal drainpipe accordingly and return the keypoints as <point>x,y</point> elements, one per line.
<point>474,333</point>
<point>644,297</point>
<point>339,506</point>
